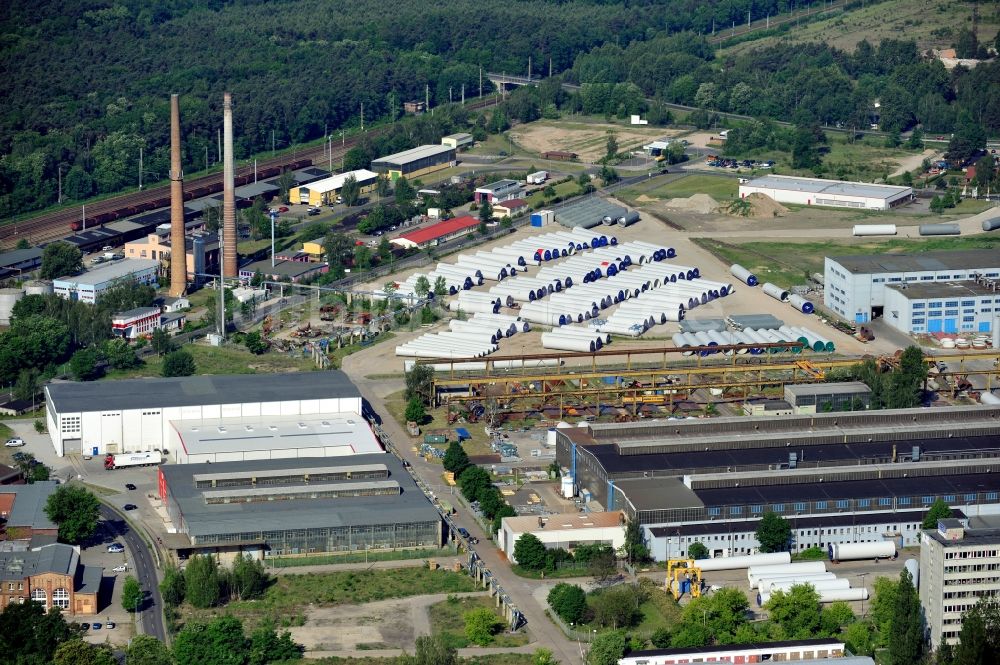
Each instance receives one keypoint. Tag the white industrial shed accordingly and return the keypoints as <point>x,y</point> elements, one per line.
<point>279,437</point>
<point>98,418</point>
<point>836,193</point>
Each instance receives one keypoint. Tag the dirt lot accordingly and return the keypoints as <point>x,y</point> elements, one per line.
<point>588,140</point>
<point>385,624</point>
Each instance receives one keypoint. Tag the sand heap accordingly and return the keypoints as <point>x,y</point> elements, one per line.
<point>762,205</point>
<point>700,203</point>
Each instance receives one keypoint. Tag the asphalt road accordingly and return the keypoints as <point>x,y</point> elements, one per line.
<point>150,618</point>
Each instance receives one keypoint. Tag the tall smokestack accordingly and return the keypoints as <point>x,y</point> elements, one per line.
<point>178,255</point>
<point>229,267</point>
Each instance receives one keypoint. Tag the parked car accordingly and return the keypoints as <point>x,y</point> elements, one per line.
<point>130,506</point>
<point>85,626</point>
<point>313,212</point>
<point>120,569</point>
<point>129,486</point>
<point>15,442</point>
<point>110,625</point>
<point>97,626</point>
<point>283,209</point>
<point>116,548</point>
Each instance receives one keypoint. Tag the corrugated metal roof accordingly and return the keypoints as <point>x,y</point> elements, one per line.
<point>439,230</point>
<point>967,259</point>
<point>412,155</point>
<point>222,435</point>
<point>116,270</point>
<point>588,213</point>
<point>820,186</point>
<point>334,183</point>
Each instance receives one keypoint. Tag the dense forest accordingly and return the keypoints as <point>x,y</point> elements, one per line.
<point>87,81</point>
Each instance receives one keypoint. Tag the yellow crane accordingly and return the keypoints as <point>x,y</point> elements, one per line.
<point>683,576</point>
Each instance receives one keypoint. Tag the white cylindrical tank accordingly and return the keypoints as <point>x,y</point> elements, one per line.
<point>990,399</point>
<point>819,585</point>
<point>829,596</point>
<point>747,561</point>
<point>568,343</point>
<point>874,230</point>
<point>742,274</point>
<point>8,298</point>
<point>37,288</point>
<point>567,487</point>
<point>803,567</point>
<point>763,583</point>
<point>852,551</point>
<point>775,292</point>
<point>801,304</point>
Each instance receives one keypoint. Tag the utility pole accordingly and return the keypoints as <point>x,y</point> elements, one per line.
<point>329,143</point>
<point>140,168</point>
<point>218,138</point>
<point>273,215</point>
<point>450,100</point>
<point>59,171</point>
<point>550,66</point>
<point>255,169</point>
<point>272,143</point>
<point>529,67</point>
<point>748,19</point>
<point>463,94</point>
<point>83,215</point>
<point>206,157</point>
<point>362,116</point>
<point>343,149</point>
<point>480,80</point>
<point>427,97</point>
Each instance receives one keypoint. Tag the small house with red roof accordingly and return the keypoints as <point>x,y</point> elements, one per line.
<point>436,234</point>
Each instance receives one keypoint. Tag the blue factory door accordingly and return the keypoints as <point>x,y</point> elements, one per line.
<point>934,325</point>
<point>861,317</point>
<point>984,326</point>
<point>951,325</point>
<point>95,451</point>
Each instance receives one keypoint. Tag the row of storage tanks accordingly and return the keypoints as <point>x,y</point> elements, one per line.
<point>499,263</point>
<point>751,338</point>
<point>776,292</point>
<point>767,573</point>
<point>924,229</point>
<point>473,338</point>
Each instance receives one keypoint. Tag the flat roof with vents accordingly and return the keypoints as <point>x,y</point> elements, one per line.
<point>564,521</point>
<point>304,472</point>
<point>321,490</point>
<point>337,434</point>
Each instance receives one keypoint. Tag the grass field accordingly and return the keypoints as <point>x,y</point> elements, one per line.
<point>563,189</point>
<point>492,659</point>
<point>398,555</point>
<point>447,620</point>
<point>932,25</point>
<point>659,610</point>
<point>223,360</point>
<point>788,263</point>
<point>718,187</point>
<point>285,599</point>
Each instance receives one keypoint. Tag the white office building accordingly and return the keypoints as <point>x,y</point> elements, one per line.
<point>854,286</point>
<point>566,531</point>
<point>136,415</point>
<point>834,193</point>
<point>90,285</point>
<point>948,307</point>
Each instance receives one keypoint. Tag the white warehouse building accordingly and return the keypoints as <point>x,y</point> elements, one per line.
<point>88,287</point>
<point>819,192</point>
<point>567,531</point>
<point>854,286</point>
<point>134,415</point>
<point>949,307</point>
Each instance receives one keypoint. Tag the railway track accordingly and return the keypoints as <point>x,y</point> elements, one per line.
<point>56,224</point>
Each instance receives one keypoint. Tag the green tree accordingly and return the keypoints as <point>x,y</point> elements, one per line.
<point>617,607</point>
<point>161,342</point>
<point>440,286</point>
<point>78,652</point>
<point>60,259</point>
<point>529,552</point>
<point>607,648</point>
<point>29,635</point>
<point>543,656</point>
<point>485,212</point>
<point>422,286</point>
<point>504,511</point>
<point>75,510</point>
<point>382,185</point>
<point>481,624</point>
<point>350,191</point>
<point>916,140</point>
<point>178,363</point>
<point>218,642</point>
<point>979,643</point>
<point>202,582</point>
<point>27,384</point>
<point>285,183</point>
<point>420,383</point>
<point>804,152</point>
<point>119,354</point>
<point>635,550</point>
<point>939,510</point>
<point>860,638</point>
<point>611,147</point>
<point>433,650</point>
<point>405,193</point>
<point>267,646</point>
<point>882,608</point>
<point>968,139</point>
<point>23,244</point>
<point>906,643</point>
<point>255,343</point>
<point>384,249</point>
<point>773,533</point>
<point>362,257</point>
<point>248,580</point>
<point>794,613</point>
<point>456,459</point>
<point>132,594</point>
<point>474,482</point>
<point>84,364</point>
<point>415,411</point>
<point>697,551</point>
<point>173,587</point>
<point>608,175</point>
<point>945,654</point>
<point>569,601</point>
<point>147,650</point>
<point>835,617</point>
